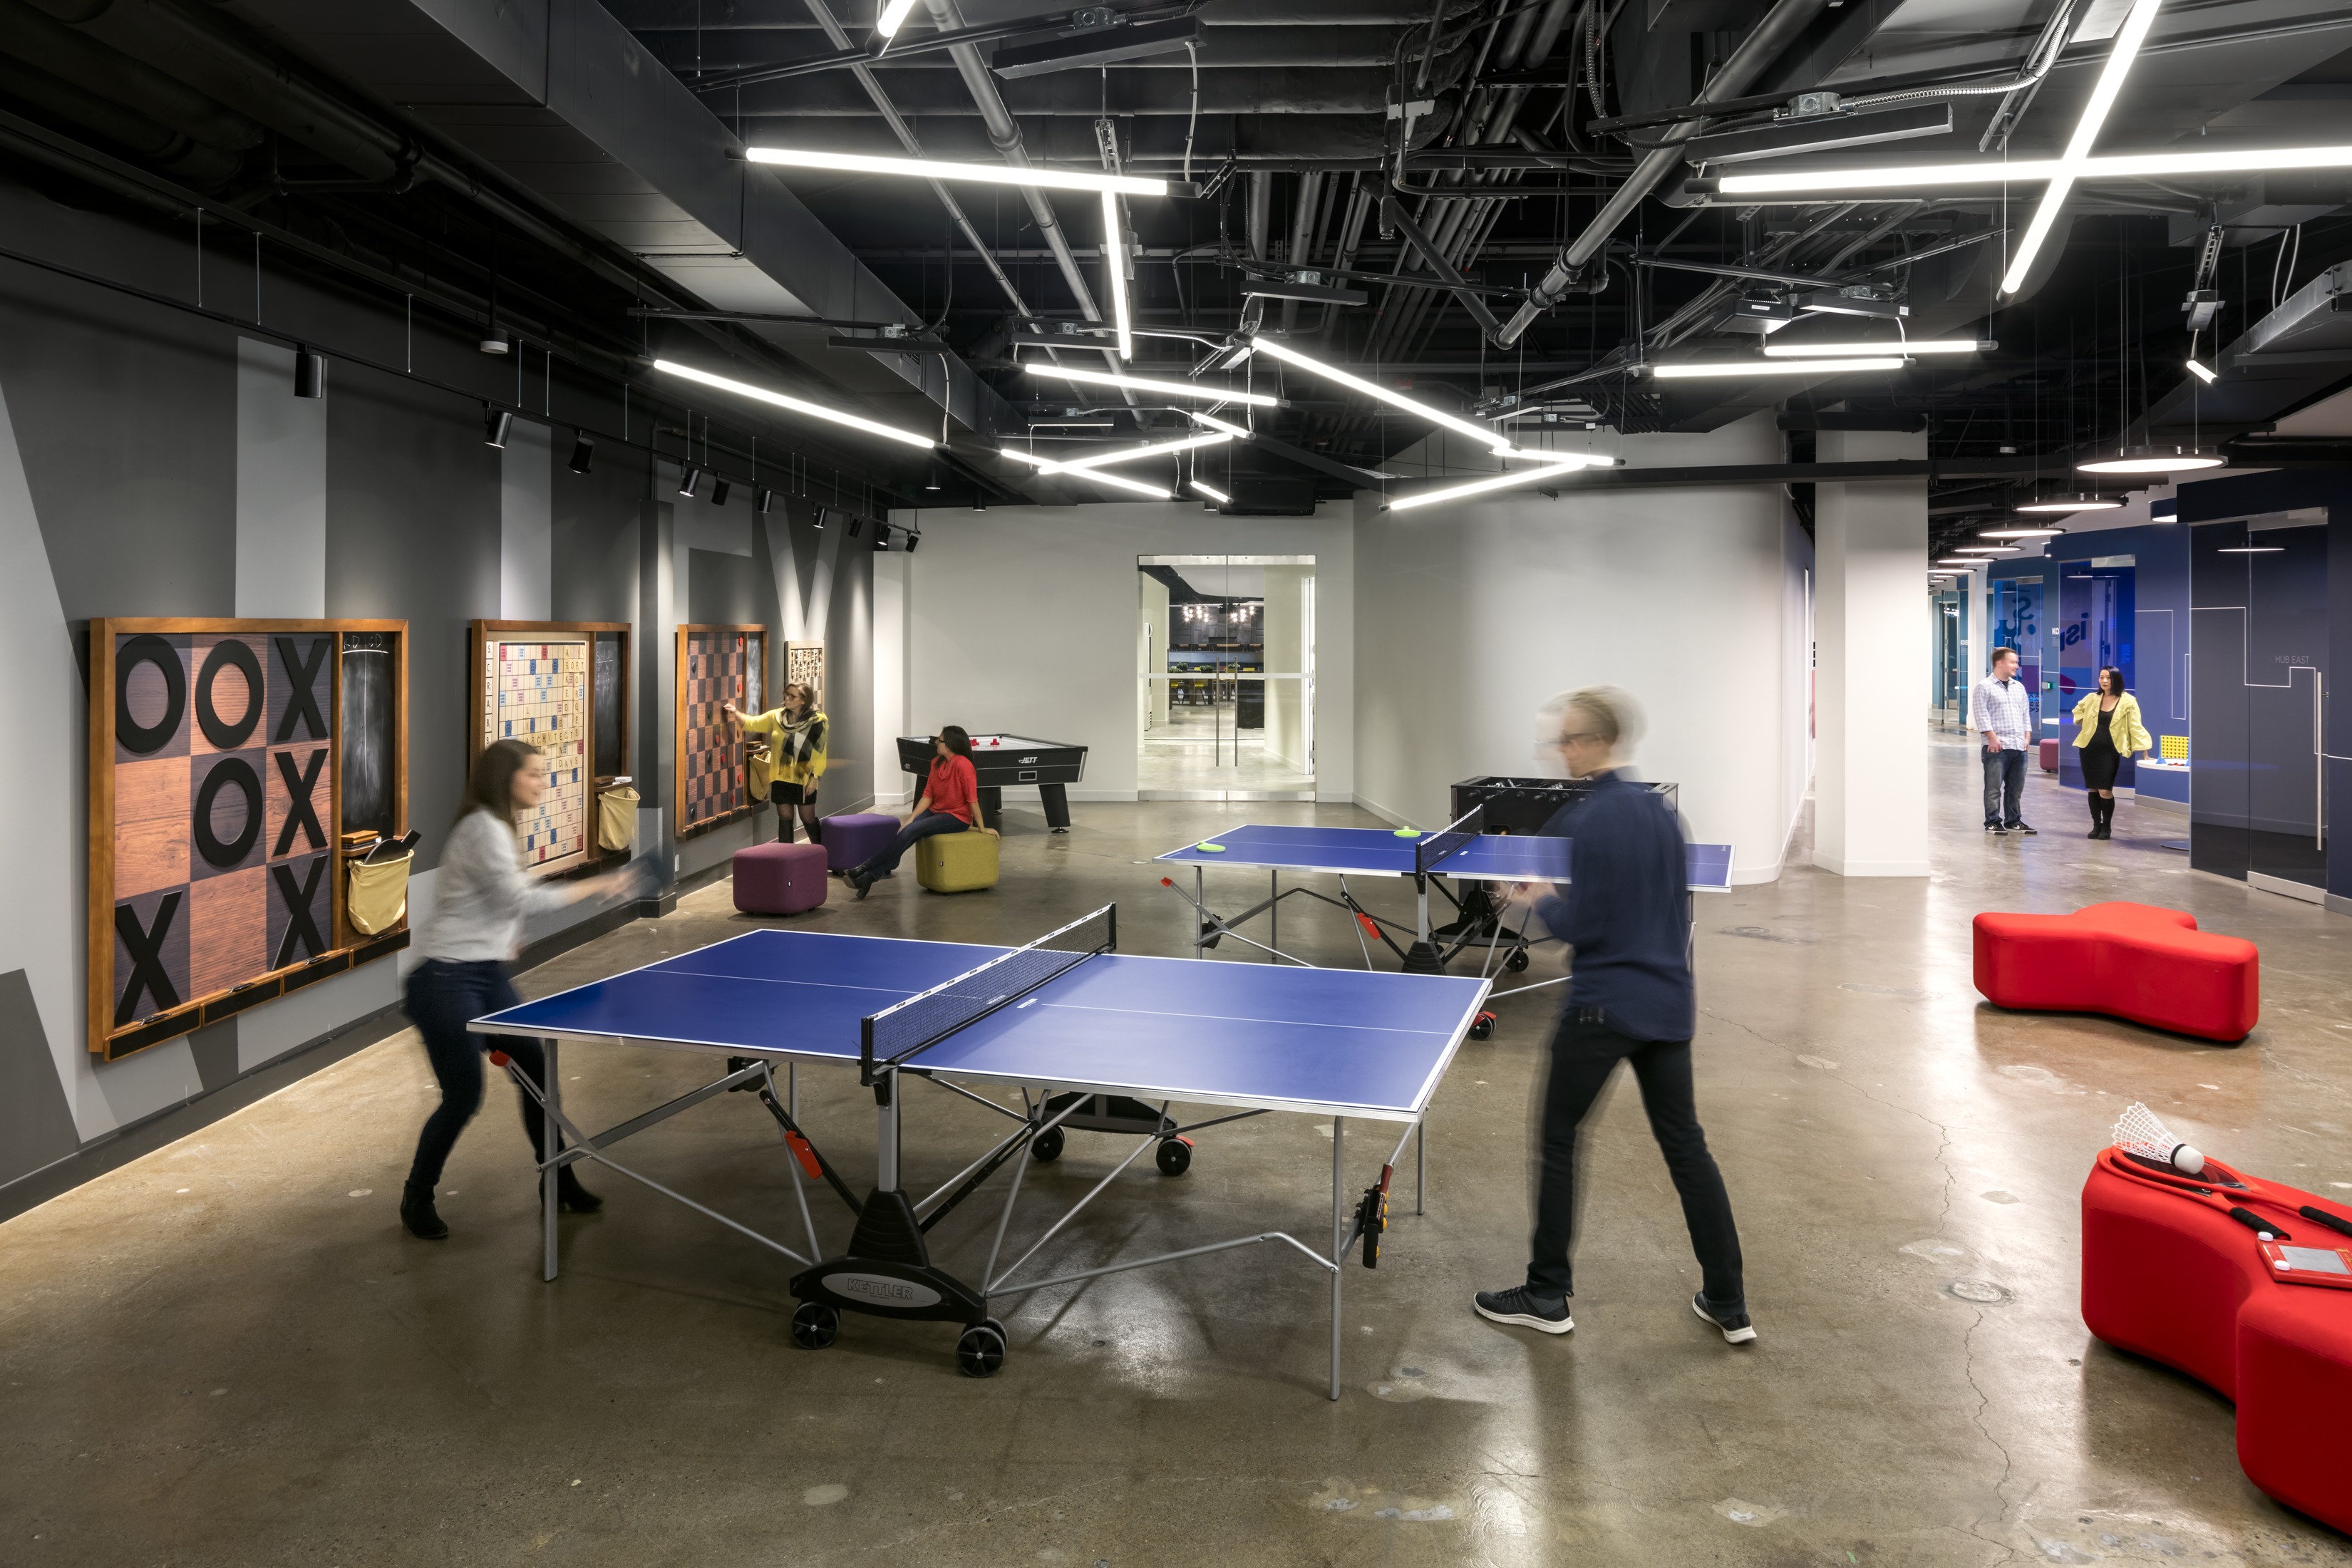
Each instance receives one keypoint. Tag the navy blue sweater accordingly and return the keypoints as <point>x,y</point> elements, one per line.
<point>1626,910</point>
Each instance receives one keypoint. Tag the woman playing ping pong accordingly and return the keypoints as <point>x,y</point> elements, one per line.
<point>949,804</point>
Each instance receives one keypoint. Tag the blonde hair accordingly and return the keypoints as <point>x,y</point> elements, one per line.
<point>1612,714</point>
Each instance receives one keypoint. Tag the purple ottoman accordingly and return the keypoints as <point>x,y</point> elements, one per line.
<point>778,879</point>
<point>854,837</point>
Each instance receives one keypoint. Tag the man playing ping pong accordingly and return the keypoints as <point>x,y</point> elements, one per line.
<point>1626,914</point>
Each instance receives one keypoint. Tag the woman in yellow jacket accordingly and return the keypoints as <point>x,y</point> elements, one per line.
<point>2106,730</point>
<point>788,774</point>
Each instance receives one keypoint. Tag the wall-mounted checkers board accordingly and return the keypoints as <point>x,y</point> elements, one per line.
<point>215,817</point>
<point>534,682</point>
<point>715,665</point>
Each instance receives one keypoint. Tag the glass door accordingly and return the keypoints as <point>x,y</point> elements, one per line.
<point>1226,677</point>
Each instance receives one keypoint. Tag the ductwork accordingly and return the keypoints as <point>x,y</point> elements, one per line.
<point>1778,30</point>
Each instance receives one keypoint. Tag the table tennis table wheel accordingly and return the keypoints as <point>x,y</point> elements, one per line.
<point>1518,959</point>
<point>1482,1027</point>
<point>1046,1145</point>
<point>1174,1157</point>
<point>816,1325</point>
<point>981,1350</point>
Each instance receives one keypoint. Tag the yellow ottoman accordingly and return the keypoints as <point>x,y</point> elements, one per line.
<point>957,862</point>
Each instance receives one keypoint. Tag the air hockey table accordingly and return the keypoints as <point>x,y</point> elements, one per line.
<point>1018,761</point>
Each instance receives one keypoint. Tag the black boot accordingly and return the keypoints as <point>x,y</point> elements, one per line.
<point>416,1212</point>
<point>570,1197</point>
<point>2107,817</point>
<point>2097,819</point>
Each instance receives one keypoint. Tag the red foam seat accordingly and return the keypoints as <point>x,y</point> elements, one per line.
<point>2049,756</point>
<point>779,878</point>
<point>2132,961</point>
<point>2170,1276</point>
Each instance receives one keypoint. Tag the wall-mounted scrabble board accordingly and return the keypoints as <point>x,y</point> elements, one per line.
<point>535,681</point>
<point>218,751</point>
<point>715,665</point>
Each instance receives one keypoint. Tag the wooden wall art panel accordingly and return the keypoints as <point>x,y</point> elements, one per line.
<point>535,681</point>
<point>715,665</point>
<point>215,818</point>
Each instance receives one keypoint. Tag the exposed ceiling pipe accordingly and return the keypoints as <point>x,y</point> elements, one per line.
<point>1760,49</point>
<point>178,154</point>
<point>1302,237</point>
<point>40,39</point>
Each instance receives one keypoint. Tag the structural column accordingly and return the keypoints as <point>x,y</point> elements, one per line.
<point>1870,785</point>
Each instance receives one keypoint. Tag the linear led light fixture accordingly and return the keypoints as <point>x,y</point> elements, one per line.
<point>1140,384</point>
<point>1492,483</point>
<point>1836,351</point>
<point>1478,433</point>
<point>1772,367</point>
<point>815,411</point>
<point>932,169</point>
<point>1091,475</point>
<point>2201,374</point>
<point>1152,450</point>
<point>2250,550</point>
<point>1214,494</point>
<point>1114,255</point>
<point>1213,423</point>
<point>892,17</point>
<point>2029,171</point>
<point>2120,56</point>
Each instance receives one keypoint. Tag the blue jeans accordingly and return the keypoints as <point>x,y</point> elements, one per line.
<point>443,998</point>
<point>924,827</point>
<point>2004,774</point>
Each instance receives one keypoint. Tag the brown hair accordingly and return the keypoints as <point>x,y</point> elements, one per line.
<point>804,689</point>
<point>491,786</point>
<point>2001,653</point>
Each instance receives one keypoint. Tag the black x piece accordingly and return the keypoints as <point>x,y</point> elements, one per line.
<point>302,694</point>
<point>300,926</point>
<point>299,812</point>
<point>146,951</point>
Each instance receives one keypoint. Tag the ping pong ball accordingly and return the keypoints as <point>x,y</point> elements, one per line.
<point>2187,1160</point>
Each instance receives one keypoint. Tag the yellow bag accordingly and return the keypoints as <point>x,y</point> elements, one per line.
<point>378,896</point>
<point>616,817</point>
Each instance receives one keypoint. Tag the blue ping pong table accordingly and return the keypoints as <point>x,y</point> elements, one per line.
<point>1462,852</point>
<point>1064,1027</point>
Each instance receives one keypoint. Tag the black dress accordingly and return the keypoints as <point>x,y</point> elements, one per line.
<point>2100,758</point>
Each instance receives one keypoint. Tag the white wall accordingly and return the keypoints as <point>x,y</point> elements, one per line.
<point>1469,614</point>
<point>1289,593</point>
<point>892,788</point>
<point>1022,619</point>
<point>1871,816</point>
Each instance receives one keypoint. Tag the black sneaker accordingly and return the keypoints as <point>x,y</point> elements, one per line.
<point>1995,828</point>
<point>1521,1308</point>
<point>1737,1329</point>
<point>2025,827</point>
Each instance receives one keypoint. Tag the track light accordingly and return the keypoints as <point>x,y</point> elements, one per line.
<point>495,422</point>
<point>1220,497</point>
<point>2060,505</point>
<point>915,539</point>
<point>1834,351</point>
<point>494,341</point>
<point>2147,460</point>
<point>2201,374</point>
<point>1695,370</point>
<point>583,452</point>
<point>762,499</point>
<point>1492,482</point>
<point>1138,383</point>
<point>931,168</point>
<point>760,393</point>
<point>852,526</point>
<point>689,478</point>
<point>881,536</point>
<point>718,490</point>
<point>310,373</point>
<point>1288,355</point>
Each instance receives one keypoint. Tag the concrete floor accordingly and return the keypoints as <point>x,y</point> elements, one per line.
<point>228,1353</point>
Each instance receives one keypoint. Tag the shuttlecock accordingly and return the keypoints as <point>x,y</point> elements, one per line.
<point>2139,1131</point>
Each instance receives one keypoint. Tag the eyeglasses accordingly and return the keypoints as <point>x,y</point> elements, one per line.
<point>1573,739</point>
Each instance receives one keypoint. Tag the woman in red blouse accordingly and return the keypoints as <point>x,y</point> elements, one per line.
<point>949,804</point>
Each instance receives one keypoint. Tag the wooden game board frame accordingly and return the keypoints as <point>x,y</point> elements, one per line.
<point>477,698</point>
<point>351,947</point>
<point>684,830</point>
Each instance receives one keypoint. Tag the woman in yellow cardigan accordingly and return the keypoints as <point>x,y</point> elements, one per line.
<point>795,760</point>
<point>2106,730</point>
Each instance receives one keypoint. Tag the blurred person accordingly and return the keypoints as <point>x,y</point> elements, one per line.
<point>795,761</point>
<point>1626,911</point>
<point>2001,708</point>
<point>2107,730</point>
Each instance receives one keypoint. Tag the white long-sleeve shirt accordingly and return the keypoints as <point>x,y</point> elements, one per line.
<point>2003,708</point>
<point>480,894</point>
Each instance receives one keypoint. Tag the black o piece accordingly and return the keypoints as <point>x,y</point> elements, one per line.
<point>227,771</point>
<point>144,739</point>
<point>1047,1145</point>
<point>981,1350</point>
<point>228,736</point>
<point>816,1325</point>
<point>1174,1157</point>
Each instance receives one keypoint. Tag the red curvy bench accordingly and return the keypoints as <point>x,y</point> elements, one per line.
<point>2134,961</point>
<point>2168,1275</point>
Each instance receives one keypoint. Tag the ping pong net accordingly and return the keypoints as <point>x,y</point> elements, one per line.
<point>905,1029</point>
<point>1430,852</point>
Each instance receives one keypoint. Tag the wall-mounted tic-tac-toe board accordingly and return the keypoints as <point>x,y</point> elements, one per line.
<point>536,682</point>
<point>715,665</point>
<point>219,756</point>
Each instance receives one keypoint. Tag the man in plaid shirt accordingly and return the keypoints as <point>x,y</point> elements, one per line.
<point>2000,708</point>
